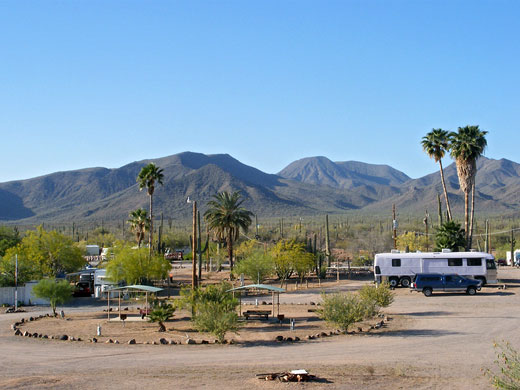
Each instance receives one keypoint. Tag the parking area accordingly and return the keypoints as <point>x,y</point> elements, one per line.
<point>442,341</point>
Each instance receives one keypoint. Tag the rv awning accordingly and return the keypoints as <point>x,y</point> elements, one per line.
<point>138,287</point>
<point>259,287</point>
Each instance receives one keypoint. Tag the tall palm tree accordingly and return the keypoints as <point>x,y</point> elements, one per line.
<point>466,146</point>
<point>226,217</point>
<point>436,144</point>
<point>150,175</point>
<point>139,223</point>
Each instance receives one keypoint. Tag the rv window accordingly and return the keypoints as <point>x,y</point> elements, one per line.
<point>474,262</point>
<point>490,264</point>
<point>396,262</point>
<point>454,262</point>
<point>378,270</point>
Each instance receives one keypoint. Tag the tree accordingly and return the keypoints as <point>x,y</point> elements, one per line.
<point>140,224</point>
<point>289,257</point>
<point>161,314</point>
<point>150,175</point>
<point>466,146</point>
<point>411,241</point>
<point>48,253</point>
<point>226,217</point>
<point>450,236</point>
<point>27,269</point>
<point>9,237</point>
<point>257,266</point>
<point>56,292</point>
<point>436,144</point>
<point>135,266</point>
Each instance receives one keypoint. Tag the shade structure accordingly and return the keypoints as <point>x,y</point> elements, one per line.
<point>266,287</point>
<point>135,287</point>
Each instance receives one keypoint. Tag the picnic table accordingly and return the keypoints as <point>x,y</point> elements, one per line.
<point>259,313</point>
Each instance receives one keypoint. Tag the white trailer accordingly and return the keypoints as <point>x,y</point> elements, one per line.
<point>399,268</point>
<point>516,261</point>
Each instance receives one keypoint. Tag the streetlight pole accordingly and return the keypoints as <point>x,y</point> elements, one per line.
<point>194,248</point>
<point>16,283</point>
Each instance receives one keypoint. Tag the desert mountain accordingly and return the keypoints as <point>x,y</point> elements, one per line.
<point>306,187</point>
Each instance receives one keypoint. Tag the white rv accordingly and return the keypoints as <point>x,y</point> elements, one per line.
<point>400,268</point>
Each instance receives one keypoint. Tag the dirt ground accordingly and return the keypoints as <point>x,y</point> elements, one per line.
<point>439,342</point>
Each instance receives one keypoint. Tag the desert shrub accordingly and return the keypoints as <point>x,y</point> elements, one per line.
<point>215,319</point>
<point>507,377</point>
<point>56,292</point>
<point>376,296</point>
<point>160,314</point>
<point>342,309</point>
<point>257,266</point>
<point>213,309</point>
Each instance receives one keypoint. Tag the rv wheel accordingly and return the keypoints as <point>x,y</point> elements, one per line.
<point>393,282</point>
<point>405,282</point>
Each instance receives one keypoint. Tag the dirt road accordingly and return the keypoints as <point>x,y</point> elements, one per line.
<point>448,339</point>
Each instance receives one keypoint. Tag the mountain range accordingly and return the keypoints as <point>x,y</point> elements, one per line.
<point>310,186</point>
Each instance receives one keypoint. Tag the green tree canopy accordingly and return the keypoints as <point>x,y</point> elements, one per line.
<point>54,291</point>
<point>289,257</point>
<point>257,266</point>
<point>9,237</point>
<point>436,143</point>
<point>450,236</point>
<point>43,253</point>
<point>140,224</point>
<point>148,177</point>
<point>225,217</point>
<point>135,266</point>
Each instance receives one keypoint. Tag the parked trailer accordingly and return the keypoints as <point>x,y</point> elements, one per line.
<point>399,268</point>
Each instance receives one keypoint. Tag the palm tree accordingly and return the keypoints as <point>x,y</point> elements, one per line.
<point>466,146</point>
<point>149,175</point>
<point>226,217</point>
<point>139,223</point>
<point>161,314</point>
<point>435,144</point>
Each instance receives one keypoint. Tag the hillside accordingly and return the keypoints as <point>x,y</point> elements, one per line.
<point>308,186</point>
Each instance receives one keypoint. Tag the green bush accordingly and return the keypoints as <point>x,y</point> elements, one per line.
<point>376,297</point>
<point>213,309</point>
<point>161,314</point>
<point>215,318</point>
<point>56,292</point>
<point>342,309</point>
<point>507,377</point>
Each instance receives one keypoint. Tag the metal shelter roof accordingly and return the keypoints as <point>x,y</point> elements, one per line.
<point>260,287</point>
<point>138,287</point>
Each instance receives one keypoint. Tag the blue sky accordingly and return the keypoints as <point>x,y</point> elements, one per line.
<point>105,83</point>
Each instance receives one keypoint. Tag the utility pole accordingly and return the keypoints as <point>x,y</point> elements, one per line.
<point>194,248</point>
<point>327,240</point>
<point>513,246</point>
<point>394,226</point>
<point>256,227</point>
<point>486,243</point>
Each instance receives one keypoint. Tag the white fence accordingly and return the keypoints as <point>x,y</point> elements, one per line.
<point>24,295</point>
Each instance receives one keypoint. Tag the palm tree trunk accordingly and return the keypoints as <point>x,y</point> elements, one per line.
<point>448,208</point>
<point>472,215</point>
<point>151,225</point>
<point>466,217</point>
<point>230,249</point>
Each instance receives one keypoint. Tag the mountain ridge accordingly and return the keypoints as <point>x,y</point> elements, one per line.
<point>312,185</point>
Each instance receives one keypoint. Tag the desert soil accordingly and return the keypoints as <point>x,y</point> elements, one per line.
<point>439,342</point>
